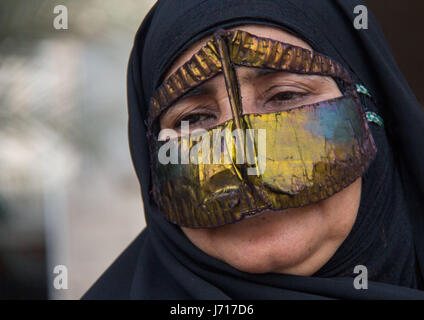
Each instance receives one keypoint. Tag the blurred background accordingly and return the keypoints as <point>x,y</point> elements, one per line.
<point>68,192</point>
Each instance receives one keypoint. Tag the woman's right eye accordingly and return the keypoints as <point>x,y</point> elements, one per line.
<point>195,119</point>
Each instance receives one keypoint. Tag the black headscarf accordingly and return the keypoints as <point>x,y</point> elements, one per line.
<point>387,236</point>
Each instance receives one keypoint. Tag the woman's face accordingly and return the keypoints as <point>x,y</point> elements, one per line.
<point>292,241</point>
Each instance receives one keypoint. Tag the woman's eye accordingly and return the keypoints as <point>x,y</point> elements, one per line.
<point>284,100</point>
<point>286,96</point>
<point>195,119</point>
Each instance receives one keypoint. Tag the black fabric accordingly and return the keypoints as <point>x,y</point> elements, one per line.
<point>387,235</point>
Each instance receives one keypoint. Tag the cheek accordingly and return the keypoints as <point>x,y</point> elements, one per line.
<point>342,208</point>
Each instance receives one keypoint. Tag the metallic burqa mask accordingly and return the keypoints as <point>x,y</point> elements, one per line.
<point>291,158</point>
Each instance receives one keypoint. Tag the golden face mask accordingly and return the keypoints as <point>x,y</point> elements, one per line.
<point>256,162</point>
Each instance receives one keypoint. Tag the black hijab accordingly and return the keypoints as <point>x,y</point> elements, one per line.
<point>387,235</point>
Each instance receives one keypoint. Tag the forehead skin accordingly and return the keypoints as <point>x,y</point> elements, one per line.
<point>257,30</point>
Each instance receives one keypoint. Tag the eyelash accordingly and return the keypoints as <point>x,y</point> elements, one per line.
<point>294,96</point>
<point>197,120</point>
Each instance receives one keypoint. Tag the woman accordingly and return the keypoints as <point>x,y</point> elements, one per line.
<point>334,188</point>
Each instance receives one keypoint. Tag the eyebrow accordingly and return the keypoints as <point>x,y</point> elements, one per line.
<point>205,89</point>
<point>202,89</point>
<point>256,73</point>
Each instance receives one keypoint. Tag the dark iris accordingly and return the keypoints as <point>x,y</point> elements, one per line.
<point>194,118</point>
<point>283,96</point>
